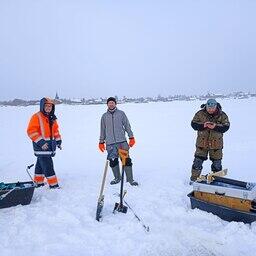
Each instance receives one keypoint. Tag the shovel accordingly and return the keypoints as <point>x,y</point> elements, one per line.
<point>101,196</point>
<point>120,207</point>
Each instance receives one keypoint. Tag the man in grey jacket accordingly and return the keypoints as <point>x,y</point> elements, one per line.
<point>114,125</point>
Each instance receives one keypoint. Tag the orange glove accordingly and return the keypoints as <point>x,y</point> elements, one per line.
<point>131,142</point>
<point>102,147</point>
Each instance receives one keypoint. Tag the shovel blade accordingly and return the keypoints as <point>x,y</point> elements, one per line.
<point>99,211</point>
<point>120,208</point>
<point>99,208</point>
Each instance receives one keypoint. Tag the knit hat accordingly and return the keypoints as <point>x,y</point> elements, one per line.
<point>111,99</point>
<point>211,103</point>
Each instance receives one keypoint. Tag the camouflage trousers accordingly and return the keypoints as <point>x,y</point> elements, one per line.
<point>214,154</point>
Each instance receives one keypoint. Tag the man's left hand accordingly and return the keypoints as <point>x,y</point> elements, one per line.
<point>211,126</point>
<point>131,142</point>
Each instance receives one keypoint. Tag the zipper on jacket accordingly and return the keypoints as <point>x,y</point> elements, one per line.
<point>113,126</point>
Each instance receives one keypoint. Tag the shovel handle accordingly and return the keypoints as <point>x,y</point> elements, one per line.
<point>103,179</point>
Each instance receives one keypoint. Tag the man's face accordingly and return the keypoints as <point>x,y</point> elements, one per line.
<point>211,110</point>
<point>48,108</point>
<point>111,105</point>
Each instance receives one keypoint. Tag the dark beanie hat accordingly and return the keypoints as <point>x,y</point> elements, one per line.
<point>111,99</point>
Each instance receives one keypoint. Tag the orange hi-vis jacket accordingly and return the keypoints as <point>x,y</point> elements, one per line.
<point>40,132</point>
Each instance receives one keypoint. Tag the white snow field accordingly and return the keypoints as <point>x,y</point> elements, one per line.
<point>62,222</point>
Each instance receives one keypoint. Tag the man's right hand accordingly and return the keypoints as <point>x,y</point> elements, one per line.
<point>211,126</point>
<point>208,125</point>
<point>102,147</point>
<point>45,146</point>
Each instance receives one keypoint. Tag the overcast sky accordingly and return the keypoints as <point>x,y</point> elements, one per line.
<point>100,48</point>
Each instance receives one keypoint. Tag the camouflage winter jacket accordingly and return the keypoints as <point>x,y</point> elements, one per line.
<point>207,138</point>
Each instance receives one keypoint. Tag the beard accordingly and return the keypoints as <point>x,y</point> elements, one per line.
<point>112,108</point>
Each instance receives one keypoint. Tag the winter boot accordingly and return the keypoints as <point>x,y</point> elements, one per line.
<point>116,173</point>
<point>54,186</point>
<point>216,165</point>
<point>129,176</point>
<point>38,185</point>
<point>195,174</point>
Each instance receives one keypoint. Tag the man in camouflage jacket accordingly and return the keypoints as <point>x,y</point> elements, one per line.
<point>210,123</point>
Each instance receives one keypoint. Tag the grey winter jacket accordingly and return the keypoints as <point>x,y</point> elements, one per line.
<point>113,127</point>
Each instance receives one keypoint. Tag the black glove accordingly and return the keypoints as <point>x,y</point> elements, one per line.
<point>59,142</point>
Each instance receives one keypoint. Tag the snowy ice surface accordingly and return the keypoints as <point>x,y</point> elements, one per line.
<point>62,222</point>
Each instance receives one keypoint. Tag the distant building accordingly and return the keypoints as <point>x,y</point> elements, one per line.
<point>57,99</point>
<point>57,96</point>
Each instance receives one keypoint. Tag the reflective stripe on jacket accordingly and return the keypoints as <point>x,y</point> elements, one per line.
<point>40,133</point>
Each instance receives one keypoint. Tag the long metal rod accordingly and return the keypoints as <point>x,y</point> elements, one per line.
<point>137,217</point>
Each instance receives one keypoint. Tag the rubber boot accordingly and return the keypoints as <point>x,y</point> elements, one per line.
<point>194,175</point>
<point>216,165</point>
<point>54,186</point>
<point>129,176</point>
<point>116,173</point>
<point>38,185</point>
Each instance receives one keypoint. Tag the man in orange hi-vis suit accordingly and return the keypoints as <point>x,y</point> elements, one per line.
<point>43,130</point>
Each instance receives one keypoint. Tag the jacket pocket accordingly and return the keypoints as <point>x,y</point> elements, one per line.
<point>202,139</point>
<point>216,141</point>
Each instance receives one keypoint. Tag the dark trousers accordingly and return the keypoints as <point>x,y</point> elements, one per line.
<point>201,155</point>
<point>44,169</point>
